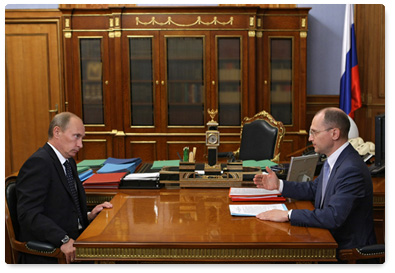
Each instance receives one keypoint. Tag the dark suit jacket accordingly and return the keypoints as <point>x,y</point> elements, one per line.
<point>46,211</point>
<point>347,209</point>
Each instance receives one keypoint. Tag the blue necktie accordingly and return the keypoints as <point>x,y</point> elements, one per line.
<point>325,179</point>
<point>72,184</point>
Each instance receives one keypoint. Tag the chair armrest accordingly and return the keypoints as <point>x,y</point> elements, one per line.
<point>372,249</point>
<point>366,252</point>
<point>229,155</point>
<point>40,247</point>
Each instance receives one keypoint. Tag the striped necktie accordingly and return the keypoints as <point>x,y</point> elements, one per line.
<point>73,188</point>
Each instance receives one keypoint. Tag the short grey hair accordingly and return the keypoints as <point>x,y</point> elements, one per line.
<point>62,121</point>
<point>337,118</point>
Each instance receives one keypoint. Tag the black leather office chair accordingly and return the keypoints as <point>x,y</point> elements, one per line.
<point>11,220</point>
<point>261,138</point>
<point>367,252</point>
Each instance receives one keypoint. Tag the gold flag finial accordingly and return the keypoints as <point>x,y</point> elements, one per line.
<point>212,114</point>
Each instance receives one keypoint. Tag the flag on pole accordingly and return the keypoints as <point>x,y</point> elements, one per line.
<point>350,90</point>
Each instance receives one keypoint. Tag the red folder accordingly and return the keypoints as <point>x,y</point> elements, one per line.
<point>257,197</point>
<point>104,180</point>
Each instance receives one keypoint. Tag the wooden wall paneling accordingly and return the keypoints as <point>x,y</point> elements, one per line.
<point>314,103</point>
<point>95,147</point>
<point>370,36</point>
<point>176,146</point>
<point>33,71</point>
<point>145,149</point>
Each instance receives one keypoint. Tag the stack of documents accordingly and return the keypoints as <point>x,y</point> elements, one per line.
<point>141,181</point>
<point>158,165</point>
<point>104,181</point>
<point>84,175</point>
<point>142,176</point>
<point>254,194</point>
<point>116,165</point>
<point>261,163</point>
<point>253,210</point>
<point>90,164</point>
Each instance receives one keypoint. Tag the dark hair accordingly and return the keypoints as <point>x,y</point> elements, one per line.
<point>336,118</point>
<point>61,120</point>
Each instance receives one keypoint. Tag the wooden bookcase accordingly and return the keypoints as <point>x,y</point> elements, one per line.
<point>143,78</point>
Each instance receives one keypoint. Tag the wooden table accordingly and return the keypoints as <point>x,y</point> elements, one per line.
<point>194,225</point>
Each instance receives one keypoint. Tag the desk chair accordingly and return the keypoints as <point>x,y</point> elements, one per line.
<point>367,252</point>
<point>11,220</point>
<point>261,137</point>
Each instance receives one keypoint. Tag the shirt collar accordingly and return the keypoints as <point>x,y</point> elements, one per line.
<point>61,158</point>
<point>333,157</point>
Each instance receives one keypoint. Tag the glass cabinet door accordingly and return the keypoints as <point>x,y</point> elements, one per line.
<point>229,80</point>
<point>281,79</point>
<point>185,81</point>
<point>141,81</point>
<point>91,80</point>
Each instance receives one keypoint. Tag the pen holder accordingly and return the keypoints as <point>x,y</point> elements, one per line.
<point>187,166</point>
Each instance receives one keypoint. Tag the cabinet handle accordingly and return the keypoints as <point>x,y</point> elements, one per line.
<point>157,82</point>
<point>213,82</point>
<point>265,82</point>
<point>106,82</point>
<point>54,110</point>
<point>163,82</point>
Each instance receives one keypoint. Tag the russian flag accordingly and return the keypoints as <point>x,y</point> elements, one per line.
<point>350,90</point>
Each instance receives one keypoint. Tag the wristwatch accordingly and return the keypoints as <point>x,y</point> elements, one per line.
<point>65,240</point>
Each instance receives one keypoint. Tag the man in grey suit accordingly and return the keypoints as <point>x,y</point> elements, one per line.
<point>51,202</point>
<point>343,199</point>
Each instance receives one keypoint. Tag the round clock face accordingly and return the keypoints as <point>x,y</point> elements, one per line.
<point>212,139</point>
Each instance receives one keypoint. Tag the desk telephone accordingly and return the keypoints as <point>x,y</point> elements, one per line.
<point>365,149</point>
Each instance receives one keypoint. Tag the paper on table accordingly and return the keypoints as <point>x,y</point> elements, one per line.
<point>253,210</point>
<point>142,176</point>
<point>252,192</point>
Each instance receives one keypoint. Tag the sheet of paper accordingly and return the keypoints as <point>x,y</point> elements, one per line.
<point>142,176</point>
<point>251,192</point>
<point>253,210</point>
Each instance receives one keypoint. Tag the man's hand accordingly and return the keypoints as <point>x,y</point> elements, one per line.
<point>274,215</point>
<point>267,181</point>
<point>69,251</point>
<point>98,209</point>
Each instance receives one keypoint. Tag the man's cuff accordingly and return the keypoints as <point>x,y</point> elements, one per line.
<point>289,215</point>
<point>281,186</point>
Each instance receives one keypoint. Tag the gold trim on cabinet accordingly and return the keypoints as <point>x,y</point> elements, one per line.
<point>120,133</point>
<point>303,23</point>
<point>252,21</point>
<point>67,22</point>
<point>178,134</point>
<point>141,253</point>
<point>113,132</point>
<point>197,22</point>
<point>94,140</point>
<point>251,33</point>
<point>303,34</point>
<point>143,142</point>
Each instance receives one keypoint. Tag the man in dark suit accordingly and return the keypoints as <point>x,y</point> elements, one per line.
<point>51,202</point>
<point>344,199</point>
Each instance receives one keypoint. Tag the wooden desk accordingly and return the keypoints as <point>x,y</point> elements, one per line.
<point>194,225</point>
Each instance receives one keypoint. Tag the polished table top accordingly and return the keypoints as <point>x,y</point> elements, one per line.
<point>175,223</point>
